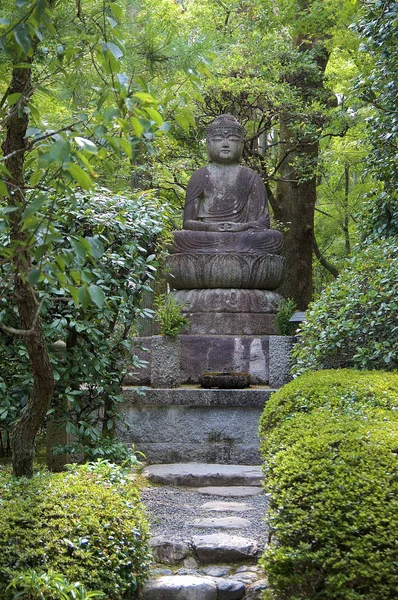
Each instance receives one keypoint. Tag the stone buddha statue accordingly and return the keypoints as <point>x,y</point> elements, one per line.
<point>225,263</point>
<point>226,208</point>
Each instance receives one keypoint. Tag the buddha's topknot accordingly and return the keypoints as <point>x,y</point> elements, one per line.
<point>225,122</point>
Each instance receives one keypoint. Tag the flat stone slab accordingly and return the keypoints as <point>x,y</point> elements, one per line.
<point>169,551</point>
<point>190,395</point>
<point>232,491</point>
<point>200,474</point>
<point>219,506</point>
<point>180,587</point>
<point>218,548</point>
<point>221,523</point>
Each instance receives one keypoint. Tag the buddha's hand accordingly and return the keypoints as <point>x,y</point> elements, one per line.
<point>230,226</point>
<point>260,225</point>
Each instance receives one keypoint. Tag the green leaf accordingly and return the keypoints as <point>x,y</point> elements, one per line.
<point>117,11</point>
<point>154,115</point>
<point>22,37</point>
<point>97,295</point>
<point>137,126</point>
<point>84,296</point>
<point>110,113</point>
<point>34,276</point>
<point>3,189</point>
<point>126,146</point>
<point>145,97</point>
<point>80,176</point>
<point>97,247</point>
<point>116,51</point>
<point>86,144</point>
<point>34,206</point>
<point>111,22</point>
<point>13,98</point>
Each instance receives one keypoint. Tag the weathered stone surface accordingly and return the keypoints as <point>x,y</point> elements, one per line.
<point>280,348</point>
<point>236,491</point>
<point>165,362</point>
<point>229,590</point>
<point>215,571</point>
<point>248,354</point>
<point>190,563</point>
<point>199,475</point>
<point>196,397</point>
<point>245,353</point>
<point>228,300</point>
<point>246,578</point>
<point>204,435</point>
<point>187,271</point>
<point>255,590</point>
<point>237,324</point>
<point>169,551</point>
<point>221,523</point>
<point>219,506</point>
<point>223,548</point>
<point>180,587</point>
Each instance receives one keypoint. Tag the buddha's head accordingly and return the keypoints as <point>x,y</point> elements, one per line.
<point>225,138</point>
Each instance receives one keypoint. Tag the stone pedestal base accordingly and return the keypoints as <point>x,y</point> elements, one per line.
<point>236,324</point>
<point>248,354</point>
<point>194,425</point>
<point>229,311</point>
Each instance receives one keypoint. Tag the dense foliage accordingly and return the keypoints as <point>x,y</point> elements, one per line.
<point>354,323</point>
<point>329,443</point>
<point>378,86</point>
<point>87,524</point>
<point>106,245</point>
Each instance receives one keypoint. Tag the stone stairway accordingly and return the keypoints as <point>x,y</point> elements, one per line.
<point>207,532</point>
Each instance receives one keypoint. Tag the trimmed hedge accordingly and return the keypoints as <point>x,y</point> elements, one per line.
<point>330,443</point>
<point>334,508</point>
<point>345,390</point>
<point>87,524</point>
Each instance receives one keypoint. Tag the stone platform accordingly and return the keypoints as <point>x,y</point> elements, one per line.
<point>193,424</point>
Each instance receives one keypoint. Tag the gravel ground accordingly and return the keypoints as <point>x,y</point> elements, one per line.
<point>171,512</point>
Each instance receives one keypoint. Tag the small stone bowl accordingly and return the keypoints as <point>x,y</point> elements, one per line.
<point>224,381</point>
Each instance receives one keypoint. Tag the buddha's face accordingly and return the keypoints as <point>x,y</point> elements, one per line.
<point>225,147</point>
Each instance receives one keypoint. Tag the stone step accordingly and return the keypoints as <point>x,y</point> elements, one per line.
<point>231,491</point>
<point>202,587</point>
<point>203,475</point>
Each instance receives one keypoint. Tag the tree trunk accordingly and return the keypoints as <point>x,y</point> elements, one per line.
<point>33,415</point>
<point>294,206</point>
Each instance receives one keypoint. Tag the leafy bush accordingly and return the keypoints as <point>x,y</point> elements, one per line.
<point>333,513</point>
<point>87,524</point>
<point>287,308</point>
<point>30,585</point>
<point>345,391</point>
<point>105,244</point>
<point>355,321</point>
<point>169,314</point>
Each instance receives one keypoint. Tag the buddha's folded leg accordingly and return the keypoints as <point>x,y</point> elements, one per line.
<point>266,242</point>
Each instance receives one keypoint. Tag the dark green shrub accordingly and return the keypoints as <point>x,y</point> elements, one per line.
<point>333,513</point>
<point>346,391</point>
<point>87,525</point>
<point>355,321</point>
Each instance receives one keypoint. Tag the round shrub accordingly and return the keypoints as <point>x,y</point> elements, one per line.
<point>333,513</point>
<point>346,391</point>
<point>87,525</point>
<point>355,321</point>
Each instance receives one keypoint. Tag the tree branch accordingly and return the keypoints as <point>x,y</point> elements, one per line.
<point>324,262</point>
